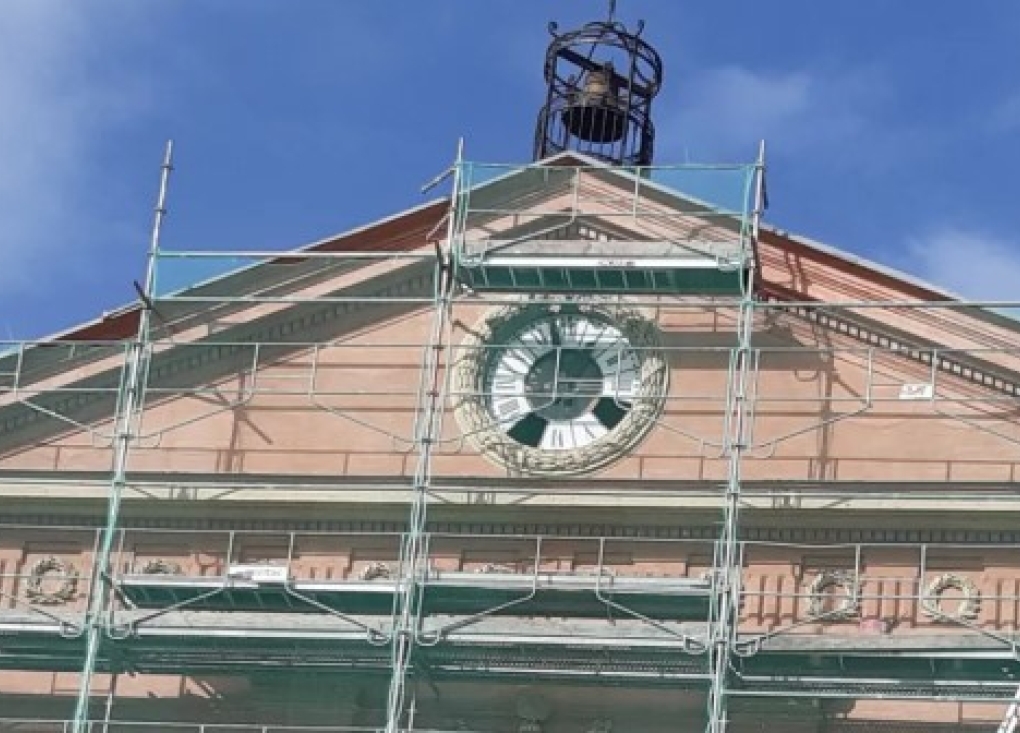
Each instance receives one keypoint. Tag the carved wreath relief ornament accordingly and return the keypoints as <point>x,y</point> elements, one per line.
<point>847,602</point>
<point>376,571</point>
<point>44,593</point>
<point>159,567</point>
<point>968,607</point>
<point>559,390</point>
<point>848,587</point>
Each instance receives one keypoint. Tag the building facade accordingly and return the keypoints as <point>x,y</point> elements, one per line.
<point>577,448</point>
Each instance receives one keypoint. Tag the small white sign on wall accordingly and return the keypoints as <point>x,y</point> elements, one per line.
<point>258,573</point>
<point>916,391</point>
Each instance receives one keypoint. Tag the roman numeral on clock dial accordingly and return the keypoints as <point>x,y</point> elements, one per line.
<point>508,410</point>
<point>620,371</point>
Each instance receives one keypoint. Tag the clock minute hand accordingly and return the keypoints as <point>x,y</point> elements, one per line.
<point>554,333</point>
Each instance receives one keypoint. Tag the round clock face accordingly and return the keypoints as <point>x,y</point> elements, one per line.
<point>560,391</point>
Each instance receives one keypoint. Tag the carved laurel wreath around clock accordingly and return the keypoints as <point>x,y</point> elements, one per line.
<point>476,359</point>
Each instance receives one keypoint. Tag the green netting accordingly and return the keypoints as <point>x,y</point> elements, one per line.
<point>1011,313</point>
<point>488,190</point>
<point>699,219</point>
<point>176,271</point>
<point>725,189</point>
<point>474,174</point>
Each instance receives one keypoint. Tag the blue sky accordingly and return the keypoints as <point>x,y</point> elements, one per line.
<point>893,127</point>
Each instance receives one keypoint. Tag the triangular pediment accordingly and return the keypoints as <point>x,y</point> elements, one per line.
<point>313,365</point>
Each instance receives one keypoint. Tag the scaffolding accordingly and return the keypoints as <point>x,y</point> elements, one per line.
<point>261,385</point>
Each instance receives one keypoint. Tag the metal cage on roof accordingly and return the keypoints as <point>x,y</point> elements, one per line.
<point>601,80</point>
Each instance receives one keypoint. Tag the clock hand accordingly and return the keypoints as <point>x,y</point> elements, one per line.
<point>554,333</point>
<point>529,430</point>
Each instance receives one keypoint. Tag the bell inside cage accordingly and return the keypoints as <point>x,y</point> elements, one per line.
<point>600,82</point>
<point>595,112</point>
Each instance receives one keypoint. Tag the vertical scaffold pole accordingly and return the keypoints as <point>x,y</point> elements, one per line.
<point>739,410</point>
<point>427,431</point>
<point>130,399</point>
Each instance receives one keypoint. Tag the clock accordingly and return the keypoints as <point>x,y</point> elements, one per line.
<point>559,389</point>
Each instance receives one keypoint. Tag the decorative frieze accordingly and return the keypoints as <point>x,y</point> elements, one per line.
<point>792,534</point>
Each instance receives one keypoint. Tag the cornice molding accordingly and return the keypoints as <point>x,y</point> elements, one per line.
<point>946,360</point>
<point>301,324</point>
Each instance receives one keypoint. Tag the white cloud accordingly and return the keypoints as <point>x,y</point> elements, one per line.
<point>56,100</point>
<point>973,264</point>
<point>725,111</point>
